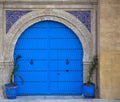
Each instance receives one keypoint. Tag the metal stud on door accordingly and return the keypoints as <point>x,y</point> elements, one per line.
<point>51,61</point>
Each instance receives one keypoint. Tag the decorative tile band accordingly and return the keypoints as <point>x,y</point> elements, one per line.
<point>84,17</point>
<point>12,16</point>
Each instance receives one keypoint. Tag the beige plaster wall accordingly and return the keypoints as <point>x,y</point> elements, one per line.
<point>110,49</point>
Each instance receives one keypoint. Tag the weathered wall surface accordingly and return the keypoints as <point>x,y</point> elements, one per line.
<point>1,48</point>
<point>110,49</point>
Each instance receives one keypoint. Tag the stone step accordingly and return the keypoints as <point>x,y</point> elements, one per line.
<point>55,99</point>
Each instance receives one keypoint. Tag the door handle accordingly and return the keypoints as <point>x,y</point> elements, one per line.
<point>67,61</point>
<point>31,62</point>
<point>67,70</point>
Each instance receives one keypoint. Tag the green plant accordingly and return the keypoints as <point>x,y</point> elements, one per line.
<point>91,69</point>
<point>16,67</point>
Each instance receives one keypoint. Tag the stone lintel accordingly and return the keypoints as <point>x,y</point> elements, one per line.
<point>94,2</point>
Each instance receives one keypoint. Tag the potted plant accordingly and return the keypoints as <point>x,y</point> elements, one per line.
<point>89,87</point>
<point>11,87</point>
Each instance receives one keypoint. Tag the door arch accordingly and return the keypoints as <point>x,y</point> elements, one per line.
<point>52,60</point>
<point>54,15</point>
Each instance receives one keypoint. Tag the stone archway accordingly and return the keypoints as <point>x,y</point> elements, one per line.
<point>55,15</point>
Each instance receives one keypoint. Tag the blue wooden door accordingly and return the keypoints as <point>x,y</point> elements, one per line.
<point>51,62</point>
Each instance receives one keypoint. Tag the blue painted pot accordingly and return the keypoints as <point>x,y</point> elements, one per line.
<point>11,91</point>
<point>89,91</point>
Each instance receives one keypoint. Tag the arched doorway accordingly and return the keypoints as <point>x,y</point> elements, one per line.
<point>51,62</point>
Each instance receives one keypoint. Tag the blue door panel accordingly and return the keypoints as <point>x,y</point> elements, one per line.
<point>69,86</point>
<point>53,87</point>
<point>26,88</point>
<point>53,65</point>
<point>70,76</point>
<point>64,43</point>
<point>38,33</point>
<point>34,44</point>
<point>53,54</point>
<point>73,65</point>
<point>73,54</point>
<point>27,54</point>
<point>40,76</point>
<point>53,76</point>
<point>68,34</point>
<point>51,62</point>
<point>38,65</point>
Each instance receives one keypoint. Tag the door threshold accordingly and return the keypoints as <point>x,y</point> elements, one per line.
<point>54,97</point>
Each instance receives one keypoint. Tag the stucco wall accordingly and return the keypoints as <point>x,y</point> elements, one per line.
<point>110,49</point>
